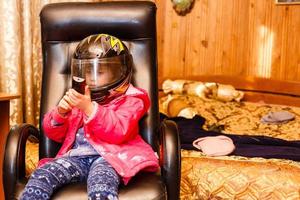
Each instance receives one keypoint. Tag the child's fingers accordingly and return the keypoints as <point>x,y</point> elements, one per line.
<point>75,93</point>
<point>73,98</point>
<point>65,105</point>
<point>68,100</point>
<point>87,90</point>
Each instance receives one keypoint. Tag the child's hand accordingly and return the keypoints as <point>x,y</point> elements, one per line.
<point>81,101</point>
<point>63,106</point>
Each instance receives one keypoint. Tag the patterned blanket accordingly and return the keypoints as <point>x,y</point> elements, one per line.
<point>234,177</point>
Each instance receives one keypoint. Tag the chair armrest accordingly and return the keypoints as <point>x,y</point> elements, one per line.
<point>14,157</point>
<point>170,158</point>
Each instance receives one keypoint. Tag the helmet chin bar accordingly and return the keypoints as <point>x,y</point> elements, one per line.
<point>104,95</point>
<point>99,95</point>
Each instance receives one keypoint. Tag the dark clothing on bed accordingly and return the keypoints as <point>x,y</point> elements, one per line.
<point>245,145</point>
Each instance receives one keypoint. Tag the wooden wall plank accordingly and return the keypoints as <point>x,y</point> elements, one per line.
<point>160,21</point>
<point>293,44</point>
<point>174,42</point>
<point>277,26</point>
<point>210,41</point>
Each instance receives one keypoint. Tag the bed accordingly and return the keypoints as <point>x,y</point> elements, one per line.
<point>235,177</point>
<point>238,177</point>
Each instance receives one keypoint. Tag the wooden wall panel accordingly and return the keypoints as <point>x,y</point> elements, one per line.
<point>174,41</point>
<point>230,37</point>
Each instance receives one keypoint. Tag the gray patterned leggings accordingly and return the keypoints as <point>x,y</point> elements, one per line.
<point>102,180</point>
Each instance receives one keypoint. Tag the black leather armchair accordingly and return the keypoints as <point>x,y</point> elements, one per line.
<point>63,25</point>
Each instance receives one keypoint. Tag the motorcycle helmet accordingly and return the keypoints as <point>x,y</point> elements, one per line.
<point>104,63</point>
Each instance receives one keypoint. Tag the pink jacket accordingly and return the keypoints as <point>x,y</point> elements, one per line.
<point>113,131</point>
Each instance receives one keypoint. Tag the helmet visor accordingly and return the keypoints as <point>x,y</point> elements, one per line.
<point>98,73</point>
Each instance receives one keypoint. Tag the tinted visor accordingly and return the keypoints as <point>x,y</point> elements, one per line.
<point>100,72</point>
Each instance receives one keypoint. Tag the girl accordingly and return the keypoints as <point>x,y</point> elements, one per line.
<point>98,129</point>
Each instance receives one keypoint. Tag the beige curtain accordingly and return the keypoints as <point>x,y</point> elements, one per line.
<point>20,56</point>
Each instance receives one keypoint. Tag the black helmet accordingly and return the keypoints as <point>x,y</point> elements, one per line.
<point>104,63</point>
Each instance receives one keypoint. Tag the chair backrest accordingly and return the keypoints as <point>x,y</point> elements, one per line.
<point>63,25</point>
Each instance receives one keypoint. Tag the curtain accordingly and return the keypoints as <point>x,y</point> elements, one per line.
<point>21,56</point>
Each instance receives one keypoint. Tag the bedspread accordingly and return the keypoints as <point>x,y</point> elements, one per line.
<point>235,177</point>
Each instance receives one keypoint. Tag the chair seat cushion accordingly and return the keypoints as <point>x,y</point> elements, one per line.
<point>144,186</point>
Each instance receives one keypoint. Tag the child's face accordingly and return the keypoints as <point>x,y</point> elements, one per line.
<point>102,76</point>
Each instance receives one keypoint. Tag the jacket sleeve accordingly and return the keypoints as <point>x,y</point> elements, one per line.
<point>55,126</point>
<point>117,125</point>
